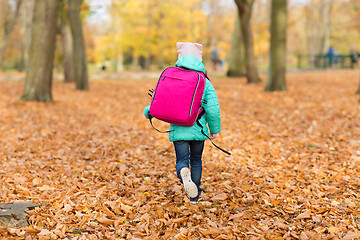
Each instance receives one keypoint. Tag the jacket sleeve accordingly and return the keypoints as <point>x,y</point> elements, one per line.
<point>146,112</point>
<point>212,109</point>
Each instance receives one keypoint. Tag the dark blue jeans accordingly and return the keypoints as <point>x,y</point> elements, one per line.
<point>190,152</point>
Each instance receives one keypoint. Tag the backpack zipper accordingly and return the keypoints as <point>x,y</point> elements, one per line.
<point>160,79</point>
<point>193,98</point>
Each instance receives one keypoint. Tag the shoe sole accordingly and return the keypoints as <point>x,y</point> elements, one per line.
<point>189,186</point>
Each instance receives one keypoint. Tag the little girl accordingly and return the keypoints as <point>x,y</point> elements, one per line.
<point>189,141</point>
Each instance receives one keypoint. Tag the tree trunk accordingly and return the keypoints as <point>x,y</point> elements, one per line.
<point>310,32</point>
<point>79,57</point>
<point>358,91</point>
<point>21,63</point>
<point>237,55</point>
<point>318,21</point>
<point>67,45</point>
<point>120,62</point>
<point>319,27</point>
<point>38,81</point>
<point>27,12</point>
<point>324,44</point>
<point>213,7</point>
<point>277,69</point>
<point>8,29</point>
<point>27,16</point>
<point>135,65</point>
<point>245,10</point>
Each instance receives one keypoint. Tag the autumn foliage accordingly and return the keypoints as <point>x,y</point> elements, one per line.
<point>100,171</point>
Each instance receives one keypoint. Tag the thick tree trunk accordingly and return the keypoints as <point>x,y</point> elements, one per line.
<point>67,45</point>
<point>79,57</point>
<point>277,69</point>
<point>237,55</point>
<point>38,81</point>
<point>8,29</point>
<point>245,10</point>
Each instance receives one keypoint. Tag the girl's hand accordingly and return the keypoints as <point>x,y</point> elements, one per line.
<point>213,135</point>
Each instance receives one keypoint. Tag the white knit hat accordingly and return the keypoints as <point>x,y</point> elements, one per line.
<point>188,48</point>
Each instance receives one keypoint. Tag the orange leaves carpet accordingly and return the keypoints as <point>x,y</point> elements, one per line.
<point>100,171</point>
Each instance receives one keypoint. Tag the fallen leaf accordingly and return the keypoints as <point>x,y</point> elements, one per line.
<point>236,217</point>
<point>179,220</point>
<point>104,220</point>
<point>351,236</point>
<point>304,215</point>
<point>220,197</point>
<point>44,235</point>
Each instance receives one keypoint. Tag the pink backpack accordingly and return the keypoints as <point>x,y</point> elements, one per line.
<point>178,96</point>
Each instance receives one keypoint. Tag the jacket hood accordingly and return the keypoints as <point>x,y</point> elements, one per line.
<point>191,62</point>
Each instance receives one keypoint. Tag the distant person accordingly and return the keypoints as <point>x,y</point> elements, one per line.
<point>215,59</point>
<point>354,56</point>
<point>103,68</point>
<point>331,55</point>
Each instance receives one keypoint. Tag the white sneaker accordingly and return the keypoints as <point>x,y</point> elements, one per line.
<point>189,186</point>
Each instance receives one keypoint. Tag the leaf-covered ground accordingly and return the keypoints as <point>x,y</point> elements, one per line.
<point>100,171</point>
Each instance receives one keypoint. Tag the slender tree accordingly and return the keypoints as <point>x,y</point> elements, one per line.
<point>277,69</point>
<point>67,45</point>
<point>38,81</point>
<point>26,24</point>
<point>358,91</point>
<point>237,55</point>
<point>116,39</point>
<point>9,26</point>
<point>324,42</point>
<point>79,54</point>
<point>245,10</point>
<point>318,23</point>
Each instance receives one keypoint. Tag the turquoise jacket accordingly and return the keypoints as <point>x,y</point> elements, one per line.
<point>212,110</point>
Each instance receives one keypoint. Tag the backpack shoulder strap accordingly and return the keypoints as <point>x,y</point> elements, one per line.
<point>150,119</point>
<point>207,76</point>
<point>195,71</point>
<point>202,131</point>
